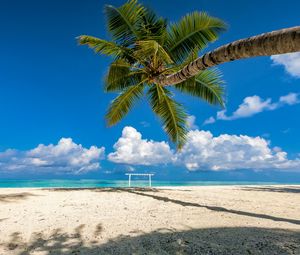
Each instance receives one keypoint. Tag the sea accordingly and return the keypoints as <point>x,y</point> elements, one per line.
<point>95,183</point>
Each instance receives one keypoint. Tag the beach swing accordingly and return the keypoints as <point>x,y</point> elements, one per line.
<point>136,174</point>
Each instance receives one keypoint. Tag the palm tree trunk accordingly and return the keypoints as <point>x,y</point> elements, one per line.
<point>267,44</point>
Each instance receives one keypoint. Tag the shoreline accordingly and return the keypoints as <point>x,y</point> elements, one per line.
<point>154,187</point>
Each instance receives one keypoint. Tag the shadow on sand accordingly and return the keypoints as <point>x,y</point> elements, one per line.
<point>8,198</point>
<point>196,241</point>
<point>217,208</point>
<point>148,193</point>
<point>114,189</point>
<point>292,189</point>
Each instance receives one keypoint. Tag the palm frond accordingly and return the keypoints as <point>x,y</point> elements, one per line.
<point>123,103</point>
<point>143,47</point>
<point>117,76</point>
<point>152,51</point>
<point>177,67</point>
<point>153,27</point>
<point>194,30</point>
<point>104,47</point>
<point>170,112</point>
<point>207,85</point>
<point>123,22</point>
<point>121,75</point>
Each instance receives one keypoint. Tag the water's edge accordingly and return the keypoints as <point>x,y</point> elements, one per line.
<point>89,183</point>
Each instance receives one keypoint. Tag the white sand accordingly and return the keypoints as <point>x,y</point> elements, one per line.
<point>181,220</point>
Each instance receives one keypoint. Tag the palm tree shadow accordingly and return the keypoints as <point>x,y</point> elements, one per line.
<point>240,240</point>
<point>148,193</point>
<point>8,198</point>
<point>104,190</point>
<point>58,242</point>
<point>217,208</point>
<point>291,189</point>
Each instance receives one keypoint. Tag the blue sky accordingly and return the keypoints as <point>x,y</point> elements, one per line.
<point>50,88</point>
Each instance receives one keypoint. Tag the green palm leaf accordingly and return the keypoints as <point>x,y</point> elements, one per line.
<point>143,48</point>
<point>175,68</point>
<point>153,27</point>
<point>170,112</point>
<point>207,85</point>
<point>123,103</point>
<point>103,47</point>
<point>123,22</point>
<point>121,75</point>
<point>152,51</point>
<point>194,30</point>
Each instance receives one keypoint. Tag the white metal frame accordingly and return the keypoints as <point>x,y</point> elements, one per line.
<point>130,174</point>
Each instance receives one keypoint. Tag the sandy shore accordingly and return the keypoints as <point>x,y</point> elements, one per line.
<point>182,220</point>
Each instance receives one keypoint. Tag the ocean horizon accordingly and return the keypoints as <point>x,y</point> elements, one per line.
<point>96,183</point>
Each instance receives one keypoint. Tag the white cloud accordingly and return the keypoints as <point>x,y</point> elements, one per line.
<point>203,151</point>
<point>290,99</point>
<point>65,157</point>
<point>191,122</point>
<point>253,105</point>
<point>290,61</point>
<point>250,106</point>
<point>132,149</point>
<point>210,120</point>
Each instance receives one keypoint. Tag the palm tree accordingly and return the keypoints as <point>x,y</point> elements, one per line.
<point>267,44</point>
<point>145,46</point>
<point>149,53</point>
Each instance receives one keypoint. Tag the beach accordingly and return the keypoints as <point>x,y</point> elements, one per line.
<point>177,220</point>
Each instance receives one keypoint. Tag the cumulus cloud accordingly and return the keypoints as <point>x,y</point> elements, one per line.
<point>253,105</point>
<point>203,151</point>
<point>132,149</point>
<point>290,61</point>
<point>210,120</point>
<point>290,99</point>
<point>64,157</point>
<point>191,122</point>
<point>250,106</point>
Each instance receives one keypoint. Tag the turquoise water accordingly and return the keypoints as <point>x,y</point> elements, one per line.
<point>88,183</point>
